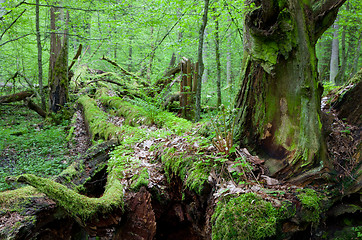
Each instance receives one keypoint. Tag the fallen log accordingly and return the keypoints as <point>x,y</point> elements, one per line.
<point>16,96</point>
<point>33,106</point>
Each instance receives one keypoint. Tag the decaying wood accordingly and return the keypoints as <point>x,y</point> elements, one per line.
<point>16,96</point>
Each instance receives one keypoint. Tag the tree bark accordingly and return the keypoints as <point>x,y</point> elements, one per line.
<point>200,62</point>
<point>58,62</point>
<point>280,95</point>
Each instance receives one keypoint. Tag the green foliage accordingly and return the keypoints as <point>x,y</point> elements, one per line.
<point>29,147</point>
<point>245,217</point>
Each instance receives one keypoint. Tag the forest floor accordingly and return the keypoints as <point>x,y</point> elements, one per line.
<point>29,146</point>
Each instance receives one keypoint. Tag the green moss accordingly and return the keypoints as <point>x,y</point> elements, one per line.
<point>311,202</point>
<point>98,120</point>
<point>244,217</point>
<point>11,198</point>
<point>79,206</point>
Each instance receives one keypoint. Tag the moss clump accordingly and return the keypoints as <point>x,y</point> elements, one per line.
<point>311,202</point>
<point>77,205</point>
<point>244,217</point>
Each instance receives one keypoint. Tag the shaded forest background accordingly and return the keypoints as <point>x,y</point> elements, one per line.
<point>130,62</point>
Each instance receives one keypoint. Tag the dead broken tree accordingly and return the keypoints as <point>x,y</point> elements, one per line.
<point>188,88</point>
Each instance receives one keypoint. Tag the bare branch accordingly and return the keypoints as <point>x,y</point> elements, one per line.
<point>15,39</point>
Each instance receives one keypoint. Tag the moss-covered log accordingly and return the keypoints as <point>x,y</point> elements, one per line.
<point>79,206</point>
<point>280,95</point>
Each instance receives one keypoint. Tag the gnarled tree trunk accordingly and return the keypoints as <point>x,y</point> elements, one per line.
<point>279,99</point>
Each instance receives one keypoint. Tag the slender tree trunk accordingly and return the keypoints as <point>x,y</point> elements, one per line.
<point>279,99</point>
<point>324,59</point>
<point>217,54</point>
<point>40,64</point>
<point>149,68</point>
<point>205,53</point>
<point>356,57</point>
<point>334,56</point>
<point>200,62</point>
<point>339,80</point>
<point>228,57</point>
<point>58,63</point>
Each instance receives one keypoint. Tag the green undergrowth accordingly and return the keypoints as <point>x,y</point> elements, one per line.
<point>28,145</point>
<point>123,164</point>
<point>247,216</point>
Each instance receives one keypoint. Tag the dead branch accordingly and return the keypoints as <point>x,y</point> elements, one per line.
<point>76,56</point>
<point>124,71</point>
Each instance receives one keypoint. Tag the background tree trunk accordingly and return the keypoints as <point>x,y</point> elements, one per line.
<point>339,80</point>
<point>356,57</point>
<point>334,56</point>
<point>58,62</point>
<point>228,59</point>
<point>217,55</point>
<point>40,63</point>
<point>200,63</point>
<point>279,99</point>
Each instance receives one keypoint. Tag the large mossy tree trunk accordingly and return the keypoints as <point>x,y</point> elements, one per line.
<point>279,99</point>
<point>58,62</point>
